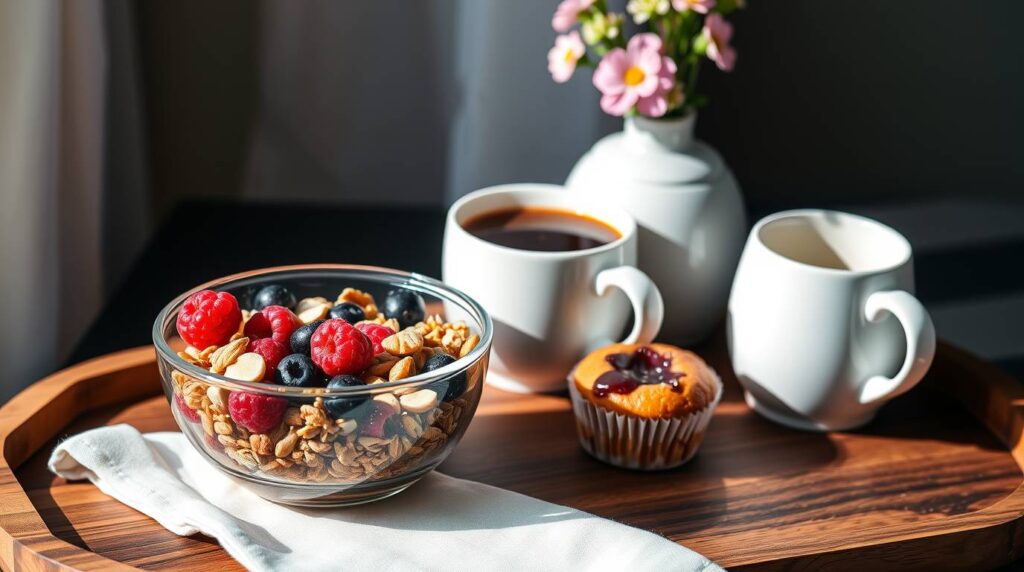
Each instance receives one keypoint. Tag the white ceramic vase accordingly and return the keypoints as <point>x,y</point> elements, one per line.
<point>689,211</point>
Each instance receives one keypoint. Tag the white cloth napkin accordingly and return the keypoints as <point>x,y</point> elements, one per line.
<point>440,523</point>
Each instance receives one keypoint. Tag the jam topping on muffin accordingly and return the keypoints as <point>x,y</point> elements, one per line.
<point>641,367</point>
<point>649,380</point>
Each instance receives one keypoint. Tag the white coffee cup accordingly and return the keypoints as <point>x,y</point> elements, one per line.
<point>549,308</point>
<point>823,325</point>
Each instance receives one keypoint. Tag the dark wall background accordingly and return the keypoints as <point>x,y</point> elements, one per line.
<point>836,101</point>
<point>870,99</point>
<point>200,80</point>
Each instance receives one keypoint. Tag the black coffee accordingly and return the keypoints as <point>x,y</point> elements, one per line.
<point>541,229</point>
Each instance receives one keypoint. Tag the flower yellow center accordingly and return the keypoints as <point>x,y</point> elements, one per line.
<point>569,56</point>
<point>634,76</point>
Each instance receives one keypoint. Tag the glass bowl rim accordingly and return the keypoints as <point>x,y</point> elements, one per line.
<point>434,286</point>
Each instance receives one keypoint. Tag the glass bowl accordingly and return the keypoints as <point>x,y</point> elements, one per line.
<point>311,457</point>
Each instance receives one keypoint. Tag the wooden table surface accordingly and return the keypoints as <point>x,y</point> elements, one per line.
<point>757,496</point>
<point>751,473</point>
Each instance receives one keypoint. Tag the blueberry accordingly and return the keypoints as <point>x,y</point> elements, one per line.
<point>339,406</point>
<point>451,387</point>
<point>299,339</point>
<point>298,370</point>
<point>405,306</point>
<point>274,295</point>
<point>349,312</point>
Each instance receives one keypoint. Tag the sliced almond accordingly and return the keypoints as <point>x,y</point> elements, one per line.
<point>286,445</point>
<point>390,400</point>
<point>401,370</point>
<point>404,343</point>
<point>420,401</point>
<point>452,342</point>
<point>422,356</point>
<point>468,345</point>
<point>372,442</point>
<point>307,303</point>
<point>357,297</point>
<point>314,313</point>
<point>412,426</point>
<point>248,367</point>
<point>346,426</point>
<point>205,354</point>
<point>382,364</point>
<point>226,355</point>
<point>218,397</point>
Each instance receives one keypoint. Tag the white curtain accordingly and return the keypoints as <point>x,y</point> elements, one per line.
<point>63,197</point>
<point>413,101</point>
<point>390,101</point>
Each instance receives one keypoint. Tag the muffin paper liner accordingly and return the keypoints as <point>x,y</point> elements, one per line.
<point>637,442</point>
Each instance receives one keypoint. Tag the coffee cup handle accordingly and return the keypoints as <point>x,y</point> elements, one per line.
<point>643,294</point>
<point>920,332</point>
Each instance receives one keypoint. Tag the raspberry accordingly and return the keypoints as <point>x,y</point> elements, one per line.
<point>208,318</point>
<point>257,413</point>
<point>339,349</point>
<point>187,411</point>
<point>272,352</point>
<point>376,333</point>
<point>257,327</point>
<point>213,443</point>
<point>275,322</point>
<point>379,415</point>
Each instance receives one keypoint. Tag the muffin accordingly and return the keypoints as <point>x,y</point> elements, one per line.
<point>643,406</point>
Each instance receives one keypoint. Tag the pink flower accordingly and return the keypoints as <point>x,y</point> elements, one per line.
<point>567,13</point>
<point>562,58</point>
<point>638,75</point>
<point>718,32</point>
<point>700,6</point>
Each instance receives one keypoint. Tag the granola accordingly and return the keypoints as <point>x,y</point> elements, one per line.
<point>322,439</point>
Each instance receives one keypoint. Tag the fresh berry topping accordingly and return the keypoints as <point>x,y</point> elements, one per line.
<point>349,312</point>
<point>437,361</point>
<point>339,406</point>
<point>338,348</point>
<point>257,327</point>
<point>257,413</point>
<point>211,441</point>
<point>405,306</point>
<point>376,333</point>
<point>276,322</point>
<point>273,295</point>
<point>299,340</point>
<point>187,411</point>
<point>208,318</point>
<point>642,367</point>
<point>379,415</point>
<point>272,351</point>
<point>297,370</point>
<point>450,387</point>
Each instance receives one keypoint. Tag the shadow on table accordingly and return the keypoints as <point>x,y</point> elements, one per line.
<point>537,454</point>
<point>442,503</point>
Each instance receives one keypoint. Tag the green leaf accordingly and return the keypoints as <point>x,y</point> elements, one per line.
<point>728,6</point>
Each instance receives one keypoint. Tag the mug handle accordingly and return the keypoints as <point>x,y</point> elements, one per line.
<point>643,294</point>
<point>920,331</point>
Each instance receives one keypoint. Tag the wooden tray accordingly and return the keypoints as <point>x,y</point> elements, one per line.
<point>934,483</point>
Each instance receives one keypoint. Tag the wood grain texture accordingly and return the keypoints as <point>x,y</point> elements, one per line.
<point>934,483</point>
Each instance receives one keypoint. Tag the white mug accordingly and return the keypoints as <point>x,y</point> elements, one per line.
<point>823,325</point>
<point>549,308</point>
